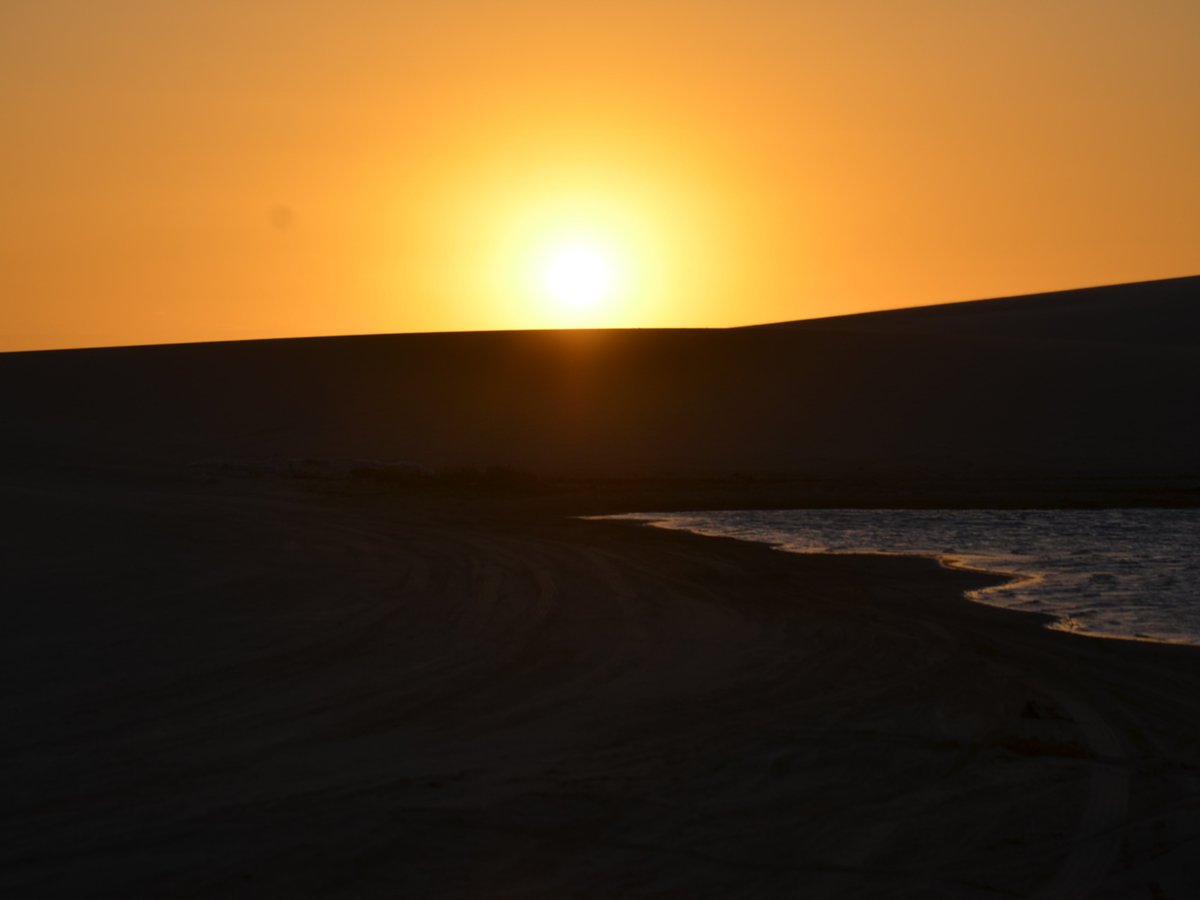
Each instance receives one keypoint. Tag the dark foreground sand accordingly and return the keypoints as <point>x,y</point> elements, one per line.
<point>243,688</point>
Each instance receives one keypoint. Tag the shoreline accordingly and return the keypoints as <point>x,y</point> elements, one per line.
<point>780,535</point>
<point>491,700</point>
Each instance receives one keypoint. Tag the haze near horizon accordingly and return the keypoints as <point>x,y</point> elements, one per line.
<point>216,171</point>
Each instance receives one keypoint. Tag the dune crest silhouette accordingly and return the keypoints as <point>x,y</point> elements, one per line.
<point>1099,382</point>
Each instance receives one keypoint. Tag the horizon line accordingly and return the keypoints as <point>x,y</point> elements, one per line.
<point>603,328</point>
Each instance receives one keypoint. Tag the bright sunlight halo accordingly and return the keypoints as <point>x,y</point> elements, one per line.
<point>578,275</point>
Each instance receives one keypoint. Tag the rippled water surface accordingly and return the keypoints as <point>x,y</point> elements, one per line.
<point>1120,572</point>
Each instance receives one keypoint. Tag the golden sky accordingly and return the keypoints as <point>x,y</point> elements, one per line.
<point>187,170</point>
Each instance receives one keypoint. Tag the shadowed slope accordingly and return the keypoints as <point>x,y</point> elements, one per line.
<point>980,389</point>
<point>1149,312</point>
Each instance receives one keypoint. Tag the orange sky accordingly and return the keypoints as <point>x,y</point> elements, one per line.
<point>210,170</point>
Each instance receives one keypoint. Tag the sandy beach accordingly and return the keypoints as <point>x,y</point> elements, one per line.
<point>276,688</point>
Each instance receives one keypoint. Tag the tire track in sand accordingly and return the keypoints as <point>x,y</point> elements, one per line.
<point>1098,835</point>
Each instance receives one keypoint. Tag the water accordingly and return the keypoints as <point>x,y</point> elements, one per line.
<point>1129,573</point>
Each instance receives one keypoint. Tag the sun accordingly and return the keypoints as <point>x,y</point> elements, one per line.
<point>575,259</point>
<point>578,275</point>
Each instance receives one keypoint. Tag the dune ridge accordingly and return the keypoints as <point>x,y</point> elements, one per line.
<point>1162,312</point>
<point>997,389</point>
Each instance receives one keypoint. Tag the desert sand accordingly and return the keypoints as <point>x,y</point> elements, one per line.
<point>282,688</point>
<point>245,658</point>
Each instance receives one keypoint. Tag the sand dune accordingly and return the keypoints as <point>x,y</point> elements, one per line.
<point>1098,384</point>
<point>1163,313</point>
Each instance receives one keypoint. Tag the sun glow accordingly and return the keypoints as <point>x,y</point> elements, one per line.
<point>560,243</point>
<point>580,260</point>
<point>578,275</point>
